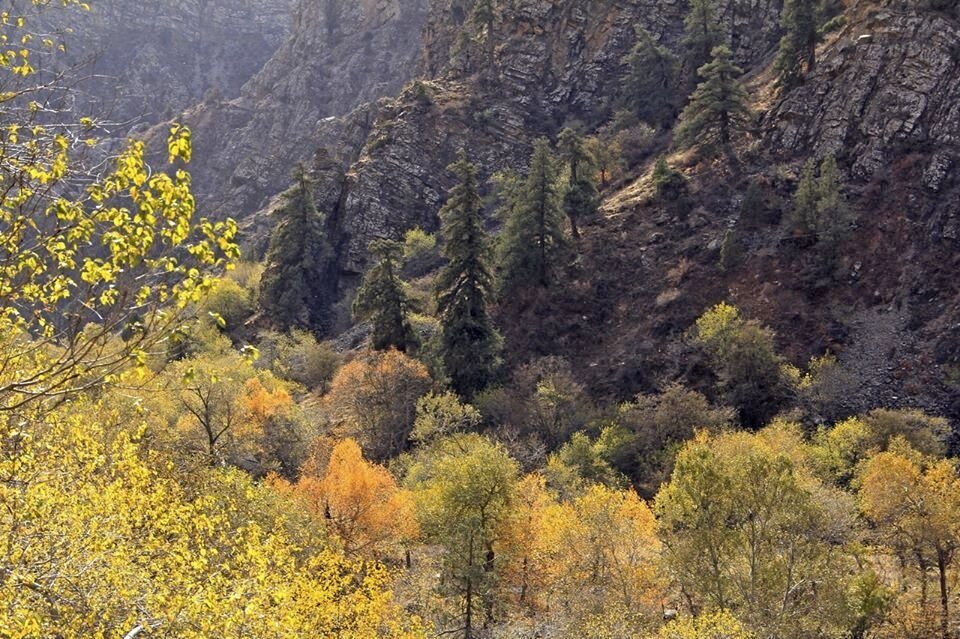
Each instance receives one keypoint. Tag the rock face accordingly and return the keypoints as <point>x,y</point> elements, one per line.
<point>340,54</point>
<point>494,90</point>
<point>887,84</point>
<point>149,61</point>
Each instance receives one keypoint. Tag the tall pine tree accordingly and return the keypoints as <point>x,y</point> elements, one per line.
<point>382,299</point>
<point>299,287</point>
<point>718,106</point>
<point>470,342</point>
<point>532,241</point>
<point>650,86</point>
<point>581,199</point>
<point>702,34</point>
<point>798,46</point>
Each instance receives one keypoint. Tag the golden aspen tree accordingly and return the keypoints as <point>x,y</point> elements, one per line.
<point>915,504</point>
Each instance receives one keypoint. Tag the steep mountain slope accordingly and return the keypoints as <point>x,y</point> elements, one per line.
<point>339,55</point>
<point>148,61</point>
<point>493,92</point>
<point>884,98</point>
<point>884,91</point>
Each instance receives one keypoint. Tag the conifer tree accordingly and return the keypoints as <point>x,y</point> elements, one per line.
<point>533,238</point>
<point>729,251</point>
<point>382,298</point>
<point>581,199</point>
<point>483,17</point>
<point>753,210</point>
<point>798,46</point>
<point>805,200</point>
<point>702,33</point>
<point>819,207</point>
<point>470,341</point>
<point>718,106</point>
<point>298,286</point>
<point>650,83</point>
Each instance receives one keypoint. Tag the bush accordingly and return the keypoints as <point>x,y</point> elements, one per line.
<point>230,302</point>
<point>299,357</point>
<point>669,184</point>
<point>420,253</point>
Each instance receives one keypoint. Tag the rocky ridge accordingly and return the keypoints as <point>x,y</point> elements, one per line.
<point>149,61</point>
<point>339,55</point>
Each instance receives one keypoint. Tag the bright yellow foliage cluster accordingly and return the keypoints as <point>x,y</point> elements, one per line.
<point>98,536</point>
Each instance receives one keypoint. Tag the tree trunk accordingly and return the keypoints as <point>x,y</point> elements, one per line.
<point>944,594</point>
<point>468,622</point>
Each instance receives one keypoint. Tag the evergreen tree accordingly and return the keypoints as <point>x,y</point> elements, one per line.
<point>581,199</point>
<point>718,106</point>
<point>753,210</point>
<point>833,214</point>
<point>650,83</point>
<point>820,209</point>
<point>804,212</point>
<point>298,286</point>
<point>798,46</point>
<point>470,341</point>
<point>382,298</point>
<point>702,33</point>
<point>669,184</point>
<point>729,251</point>
<point>532,240</point>
<point>484,17</point>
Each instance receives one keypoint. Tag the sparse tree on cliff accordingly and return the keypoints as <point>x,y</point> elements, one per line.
<point>650,84</point>
<point>798,46</point>
<point>533,236</point>
<point>298,286</point>
<point>718,106</point>
<point>581,199</point>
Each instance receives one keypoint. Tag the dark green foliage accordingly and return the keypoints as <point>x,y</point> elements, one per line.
<point>532,242</point>
<point>649,89</point>
<point>581,199</point>
<point>804,213</point>
<point>382,299</point>
<point>298,287</point>
<point>820,209</point>
<point>798,46</point>
<point>669,184</point>
<point>470,343</point>
<point>730,251</point>
<point>483,18</point>
<point>702,33</point>
<point>754,209</point>
<point>718,106</point>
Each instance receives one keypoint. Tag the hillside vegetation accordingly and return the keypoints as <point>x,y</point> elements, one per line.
<point>621,320</point>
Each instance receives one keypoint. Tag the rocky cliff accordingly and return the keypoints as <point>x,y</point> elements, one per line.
<point>494,88</point>
<point>884,100</point>
<point>884,93</point>
<point>149,61</point>
<point>339,55</point>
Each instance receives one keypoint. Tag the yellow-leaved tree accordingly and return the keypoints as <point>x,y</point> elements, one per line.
<point>101,536</point>
<point>100,254</point>
<point>914,502</point>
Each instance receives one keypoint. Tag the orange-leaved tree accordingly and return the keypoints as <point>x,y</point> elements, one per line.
<point>359,502</point>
